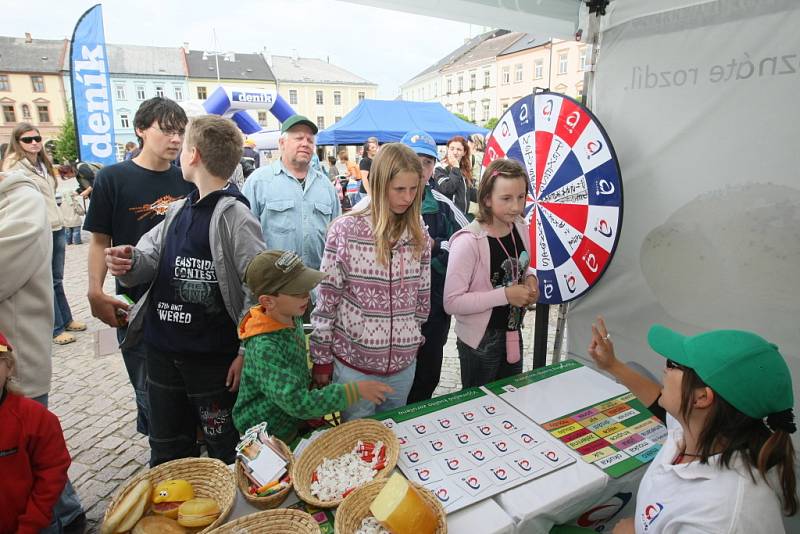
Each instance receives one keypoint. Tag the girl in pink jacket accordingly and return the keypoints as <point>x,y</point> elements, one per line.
<point>371,305</point>
<point>490,281</point>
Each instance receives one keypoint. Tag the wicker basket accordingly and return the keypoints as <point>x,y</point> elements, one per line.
<point>280,521</point>
<point>271,501</point>
<point>334,443</point>
<point>355,507</point>
<point>209,478</point>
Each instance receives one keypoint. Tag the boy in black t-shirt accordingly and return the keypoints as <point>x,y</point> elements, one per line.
<point>194,263</point>
<point>129,199</point>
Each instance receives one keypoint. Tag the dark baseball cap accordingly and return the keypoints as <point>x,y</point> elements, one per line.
<point>278,271</point>
<point>294,120</point>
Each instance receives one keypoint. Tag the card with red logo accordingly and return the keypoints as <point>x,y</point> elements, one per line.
<point>448,420</point>
<point>447,492</point>
<point>528,439</point>
<point>552,457</point>
<point>486,430</point>
<point>464,437</point>
<point>437,444</point>
<point>524,464</point>
<point>413,456</point>
<point>452,463</point>
<point>419,428</point>
<point>390,424</point>
<point>501,473</point>
<point>503,445</point>
<point>492,409</point>
<point>425,474</point>
<point>509,424</point>
<point>474,482</point>
<point>470,415</point>
<point>403,440</point>
<point>479,455</point>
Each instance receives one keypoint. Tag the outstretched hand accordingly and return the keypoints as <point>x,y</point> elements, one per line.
<point>601,348</point>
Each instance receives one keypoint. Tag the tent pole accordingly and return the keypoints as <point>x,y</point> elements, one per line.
<point>540,335</point>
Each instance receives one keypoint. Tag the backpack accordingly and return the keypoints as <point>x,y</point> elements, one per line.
<point>248,166</point>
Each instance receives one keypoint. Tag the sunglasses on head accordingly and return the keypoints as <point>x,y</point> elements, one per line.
<point>31,139</point>
<point>674,365</point>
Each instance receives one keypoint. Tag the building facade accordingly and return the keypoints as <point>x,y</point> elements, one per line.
<point>31,86</point>
<point>318,89</point>
<point>532,63</point>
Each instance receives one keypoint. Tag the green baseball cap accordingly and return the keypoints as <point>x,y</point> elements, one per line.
<point>277,271</point>
<point>294,120</point>
<point>743,368</point>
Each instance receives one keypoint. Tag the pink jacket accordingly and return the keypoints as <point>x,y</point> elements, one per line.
<point>468,292</point>
<point>368,316</point>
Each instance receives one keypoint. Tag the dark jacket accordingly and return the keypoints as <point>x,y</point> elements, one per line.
<point>451,183</point>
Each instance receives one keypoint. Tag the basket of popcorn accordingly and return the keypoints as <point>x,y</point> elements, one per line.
<point>280,521</point>
<point>342,460</point>
<point>190,493</point>
<point>393,506</point>
<point>263,466</point>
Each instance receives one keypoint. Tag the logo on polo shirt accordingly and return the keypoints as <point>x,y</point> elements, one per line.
<point>650,514</point>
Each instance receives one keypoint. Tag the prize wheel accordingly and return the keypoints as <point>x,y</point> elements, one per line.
<point>574,206</point>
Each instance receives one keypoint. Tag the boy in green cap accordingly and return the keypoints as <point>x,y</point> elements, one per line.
<point>276,381</point>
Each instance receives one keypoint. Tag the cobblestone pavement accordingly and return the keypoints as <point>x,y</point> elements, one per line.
<point>93,398</point>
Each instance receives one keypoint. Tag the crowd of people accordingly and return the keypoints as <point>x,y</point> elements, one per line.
<point>224,279</point>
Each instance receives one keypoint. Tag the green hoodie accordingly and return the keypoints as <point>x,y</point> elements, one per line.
<point>276,380</point>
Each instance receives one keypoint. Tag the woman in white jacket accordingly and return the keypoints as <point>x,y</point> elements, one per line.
<point>26,154</point>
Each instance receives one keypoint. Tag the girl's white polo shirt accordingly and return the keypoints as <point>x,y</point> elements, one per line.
<point>702,498</point>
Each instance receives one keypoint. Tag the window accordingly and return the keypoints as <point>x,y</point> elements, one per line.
<point>518,72</point>
<point>141,96</point>
<point>119,89</point>
<point>487,79</point>
<point>262,118</point>
<point>160,91</point>
<point>361,95</point>
<point>460,107</point>
<point>321,123</point>
<point>38,84</point>
<point>473,78</point>
<point>4,85</point>
<point>337,98</point>
<point>449,85</point>
<point>472,106</point>
<point>506,75</point>
<point>124,120</point>
<point>26,112</point>
<point>44,113</point>
<point>485,115</point>
<point>435,89</point>
<point>201,93</point>
<point>320,100</point>
<point>562,63</point>
<point>582,60</point>
<point>336,119</point>
<point>460,83</point>
<point>8,113</point>
<point>178,93</point>
<point>505,106</point>
<point>538,67</point>
<point>293,96</point>
<point>449,107</point>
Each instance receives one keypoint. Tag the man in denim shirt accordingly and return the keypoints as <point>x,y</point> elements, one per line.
<point>294,202</point>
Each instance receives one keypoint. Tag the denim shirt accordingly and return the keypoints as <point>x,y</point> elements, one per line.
<point>292,217</point>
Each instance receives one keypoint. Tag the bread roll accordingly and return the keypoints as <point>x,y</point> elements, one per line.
<point>400,508</point>
<point>198,512</point>
<point>129,510</point>
<point>156,524</point>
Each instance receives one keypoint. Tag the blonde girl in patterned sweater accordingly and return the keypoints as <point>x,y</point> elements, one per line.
<point>371,306</point>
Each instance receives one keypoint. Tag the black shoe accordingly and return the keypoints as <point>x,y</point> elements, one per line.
<point>78,525</point>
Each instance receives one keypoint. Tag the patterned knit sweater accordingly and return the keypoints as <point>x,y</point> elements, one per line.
<point>369,316</point>
<point>275,379</point>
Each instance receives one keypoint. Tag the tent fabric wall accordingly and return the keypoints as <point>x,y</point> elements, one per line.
<point>700,103</point>
<point>390,120</point>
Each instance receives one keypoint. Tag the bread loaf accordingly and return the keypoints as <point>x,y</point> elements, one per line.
<point>129,510</point>
<point>199,512</point>
<point>156,524</point>
<point>400,508</point>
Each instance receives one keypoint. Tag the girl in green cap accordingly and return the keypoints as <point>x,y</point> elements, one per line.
<point>728,463</point>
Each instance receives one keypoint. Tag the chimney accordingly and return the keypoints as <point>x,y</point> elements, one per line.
<point>267,56</point>
<point>28,38</point>
<point>186,47</point>
<point>328,58</point>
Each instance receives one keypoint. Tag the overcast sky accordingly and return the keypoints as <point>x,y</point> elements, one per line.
<point>385,47</point>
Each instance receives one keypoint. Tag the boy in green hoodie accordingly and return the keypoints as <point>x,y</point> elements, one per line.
<point>276,381</point>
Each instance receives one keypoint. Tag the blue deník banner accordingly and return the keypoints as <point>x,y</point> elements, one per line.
<point>91,90</point>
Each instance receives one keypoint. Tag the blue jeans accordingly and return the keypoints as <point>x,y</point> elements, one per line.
<point>63,315</point>
<point>74,235</point>
<point>186,393</point>
<point>400,381</point>
<point>487,363</point>
<point>68,507</point>
<point>135,359</point>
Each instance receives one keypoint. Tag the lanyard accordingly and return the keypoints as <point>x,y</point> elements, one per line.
<point>515,259</point>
